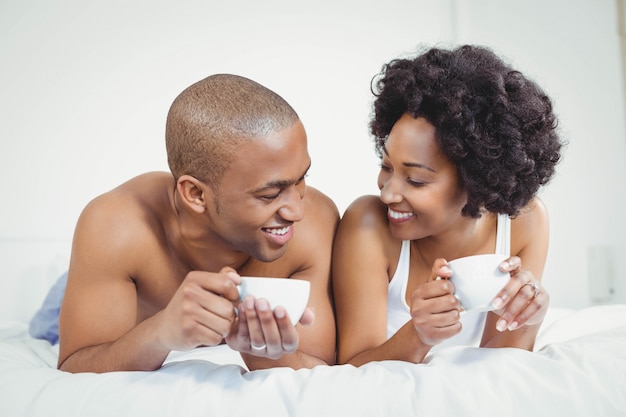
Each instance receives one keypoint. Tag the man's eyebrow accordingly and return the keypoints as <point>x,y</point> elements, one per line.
<point>280,183</point>
<point>411,164</point>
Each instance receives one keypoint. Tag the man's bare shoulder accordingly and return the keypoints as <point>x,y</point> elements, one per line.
<point>146,192</point>
<point>321,217</point>
<point>132,208</point>
<point>148,185</point>
<point>316,201</point>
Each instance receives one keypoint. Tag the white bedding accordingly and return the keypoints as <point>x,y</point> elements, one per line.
<point>578,369</point>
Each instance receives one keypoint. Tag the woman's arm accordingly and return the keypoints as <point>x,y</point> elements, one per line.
<point>360,285</point>
<point>517,321</point>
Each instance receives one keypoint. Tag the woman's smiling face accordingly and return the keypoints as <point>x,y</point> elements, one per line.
<point>419,185</point>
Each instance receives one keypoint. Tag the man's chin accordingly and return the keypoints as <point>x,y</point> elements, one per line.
<point>271,255</point>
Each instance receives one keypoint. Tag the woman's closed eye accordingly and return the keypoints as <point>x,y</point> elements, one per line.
<point>416,183</point>
<point>384,167</point>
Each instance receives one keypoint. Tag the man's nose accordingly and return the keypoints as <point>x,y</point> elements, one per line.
<point>293,209</point>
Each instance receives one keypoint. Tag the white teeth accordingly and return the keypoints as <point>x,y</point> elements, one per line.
<point>397,215</point>
<point>279,231</point>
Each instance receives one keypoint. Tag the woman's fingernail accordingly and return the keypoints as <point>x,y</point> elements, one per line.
<point>279,313</point>
<point>446,269</point>
<point>497,303</point>
<point>501,326</point>
<point>505,265</point>
<point>513,326</point>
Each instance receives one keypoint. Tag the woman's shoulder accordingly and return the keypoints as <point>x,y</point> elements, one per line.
<point>366,210</point>
<point>530,226</point>
<point>365,222</point>
<point>533,216</point>
<point>364,237</point>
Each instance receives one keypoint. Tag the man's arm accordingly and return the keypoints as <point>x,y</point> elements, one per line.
<point>309,258</point>
<point>101,328</point>
<point>101,342</point>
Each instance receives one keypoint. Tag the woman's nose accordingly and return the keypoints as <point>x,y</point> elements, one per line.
<point>389,192</point>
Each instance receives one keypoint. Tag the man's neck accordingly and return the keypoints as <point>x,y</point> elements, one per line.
<point>195,246</point>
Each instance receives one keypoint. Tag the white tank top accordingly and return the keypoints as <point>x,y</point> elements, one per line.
<point>398,312</point>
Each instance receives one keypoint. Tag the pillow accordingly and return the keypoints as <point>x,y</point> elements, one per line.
<point>45,322</point>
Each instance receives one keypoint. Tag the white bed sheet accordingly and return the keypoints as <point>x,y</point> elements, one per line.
<point>578,369</point>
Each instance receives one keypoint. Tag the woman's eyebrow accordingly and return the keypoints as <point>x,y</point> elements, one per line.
<point>411,164</point>
<point>417,165</point>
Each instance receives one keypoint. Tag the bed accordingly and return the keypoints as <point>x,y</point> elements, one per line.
<point>577,369</point>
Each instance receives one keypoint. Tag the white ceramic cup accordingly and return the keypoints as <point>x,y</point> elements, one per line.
<point>477,280</point>
<point>291,294</point>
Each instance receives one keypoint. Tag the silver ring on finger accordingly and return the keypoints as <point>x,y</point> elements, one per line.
<point>535,287</point>
<point>258,348</point>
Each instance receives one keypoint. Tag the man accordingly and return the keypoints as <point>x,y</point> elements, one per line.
<point>155,262</point>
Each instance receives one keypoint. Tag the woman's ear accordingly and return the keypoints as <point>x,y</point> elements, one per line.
<point>193,193</point>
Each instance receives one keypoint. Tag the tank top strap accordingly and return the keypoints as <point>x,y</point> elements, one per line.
<point>398,283</point>
<point>503,235</point>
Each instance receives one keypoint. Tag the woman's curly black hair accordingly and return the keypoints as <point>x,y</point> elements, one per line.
<point>496,125</point>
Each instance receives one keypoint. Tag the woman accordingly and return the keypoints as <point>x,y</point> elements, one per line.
<point>465,143</point>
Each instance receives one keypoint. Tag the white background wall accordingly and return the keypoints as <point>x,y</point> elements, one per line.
<point>85,87</point>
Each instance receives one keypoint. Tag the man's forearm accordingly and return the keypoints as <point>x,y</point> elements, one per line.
<point>136,350</point>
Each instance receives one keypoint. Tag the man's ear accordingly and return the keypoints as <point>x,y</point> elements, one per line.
<point>193,193</point>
